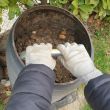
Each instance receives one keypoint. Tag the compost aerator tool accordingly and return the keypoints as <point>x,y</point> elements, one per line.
<point>55,53</point>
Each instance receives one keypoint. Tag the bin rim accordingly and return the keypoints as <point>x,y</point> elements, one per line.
<point>54,8</point>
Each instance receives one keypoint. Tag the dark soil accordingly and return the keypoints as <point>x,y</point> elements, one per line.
<point>45,27</point>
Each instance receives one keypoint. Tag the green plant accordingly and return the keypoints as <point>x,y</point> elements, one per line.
<point>59,3</point>
<point>81,8</point>
<point>86,107</point>
<point>1,105</point>
<point>84,8</point>
<point>101,43</point>
<point>13,7</point>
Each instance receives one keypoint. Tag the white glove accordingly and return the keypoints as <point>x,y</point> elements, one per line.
<point>76,59</point>
<point>40,54</point>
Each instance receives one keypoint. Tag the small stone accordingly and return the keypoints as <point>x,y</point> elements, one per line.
<point>63,37</point>
<point>33,32</point>
<point>63,32</point>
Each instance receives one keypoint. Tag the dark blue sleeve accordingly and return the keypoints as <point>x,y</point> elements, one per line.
<point>97,93</point>
<point>33,89</point>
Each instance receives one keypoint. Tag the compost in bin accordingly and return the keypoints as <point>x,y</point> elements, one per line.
<point>46,24</point>
<point>46,27</point>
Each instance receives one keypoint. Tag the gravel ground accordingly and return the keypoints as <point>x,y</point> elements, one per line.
<point>6,24</point>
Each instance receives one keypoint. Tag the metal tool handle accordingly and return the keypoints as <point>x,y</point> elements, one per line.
<point>55,53</point>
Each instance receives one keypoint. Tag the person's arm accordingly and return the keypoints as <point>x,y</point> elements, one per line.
<point>76,59</point>
<point>33,89</point>
<point>34,85</point>
<point>97,92</point>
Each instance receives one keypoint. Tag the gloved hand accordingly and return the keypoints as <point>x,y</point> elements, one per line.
<point>40,54</point>
<point>76,59</point>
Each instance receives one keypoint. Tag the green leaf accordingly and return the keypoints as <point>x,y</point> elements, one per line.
<point>12,2</point>
<point>104,4</point>
<point>87,2</point>
<point>94,2</point>
<point>84,16</point>
<point>81,2</point>
<point>75,7</point>
<point>85,11</point>
<point>75,11</point>
<point>102,13</point>
<point>23,1</point>
<point>13,10</point>
<point>63,1</point>
<point>87,8</point>
<point>75,3</point>
<point>30,3</point>
<point>108,3</point>
<point>0,15</point>
<point>58,4</point>
<point>52,2</point>
<point>0,11</point>
<point>4,3</point>
<point>1,20</point>
<point>97,8</point>
<point>108,12</point>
